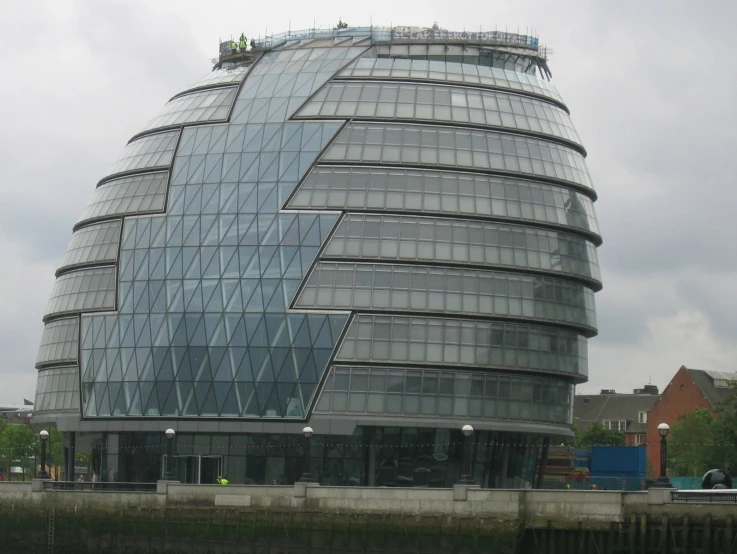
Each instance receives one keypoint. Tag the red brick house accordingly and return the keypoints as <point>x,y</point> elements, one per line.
<point>689,389</point>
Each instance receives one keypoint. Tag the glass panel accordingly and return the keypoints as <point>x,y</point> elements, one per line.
<point>130,195</point>
<point>221,76</point>
<point>93,244</point>
<point>445,290</point>
<point>429,102</point>
<point>471,74</point>
<point>359,188</point>
<point>457,342</point>
<point>549,400</point>
<point>59,342</point>
<point>462,148</point>
<point>152,151</point>
<point>57,390</point>
<point>463,242</point>
<point>83,290</point>
<point>196,107</point>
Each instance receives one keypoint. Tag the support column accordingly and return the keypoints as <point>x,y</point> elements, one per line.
<point>372,457</point>
<point>69,455</point>
<point>543,462</point>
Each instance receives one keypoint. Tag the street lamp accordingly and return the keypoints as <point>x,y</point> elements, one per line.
<point>44,435</point>
<point>663,430</point>
<point>170,433</point>
<point>466,477</point>
<point>306,475</point>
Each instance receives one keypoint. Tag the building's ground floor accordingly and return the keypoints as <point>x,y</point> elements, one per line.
<point>371,456</point>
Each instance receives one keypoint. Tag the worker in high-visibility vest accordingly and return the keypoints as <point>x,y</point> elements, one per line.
<point>233,47</point>
<point>243,44</point>
<point>222,480</point>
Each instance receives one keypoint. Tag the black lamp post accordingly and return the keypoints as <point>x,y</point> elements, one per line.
<point>168,474</point>
<point>466,477</point>
<point>663,480</point>
<point>306,475</point>
<point>44,436</point>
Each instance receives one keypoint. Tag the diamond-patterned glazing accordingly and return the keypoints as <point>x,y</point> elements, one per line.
<point>202,327</point>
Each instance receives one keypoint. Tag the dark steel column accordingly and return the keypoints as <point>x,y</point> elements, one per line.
<point>69,455</point>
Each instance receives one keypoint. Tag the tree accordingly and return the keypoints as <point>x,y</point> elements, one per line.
<point>596,435</point>
<point>55,452</point>
<point>690,444</point>
<point>724,434</point>
<point>17,444</point>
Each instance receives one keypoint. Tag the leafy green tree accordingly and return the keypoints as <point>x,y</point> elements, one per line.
<point>17,446</point>
<point>596,435</point>
<point>690,443</point>
<point>723,451</point>
<point>55,453</point>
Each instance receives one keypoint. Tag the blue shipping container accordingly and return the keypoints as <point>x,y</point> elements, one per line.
<point>618,461</point>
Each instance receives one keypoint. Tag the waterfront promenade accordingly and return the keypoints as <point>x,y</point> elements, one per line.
<point>172,517</point>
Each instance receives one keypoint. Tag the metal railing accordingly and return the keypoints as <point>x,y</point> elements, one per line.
<point>721,496</point>
<point>388,34</point>
<point>98,486</point>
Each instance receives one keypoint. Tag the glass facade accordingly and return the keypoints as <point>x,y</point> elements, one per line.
<point>462,242</point>
<point>410,101</point>
<point>447,193</point>
<point>382,240</point>
<point>451,72</point>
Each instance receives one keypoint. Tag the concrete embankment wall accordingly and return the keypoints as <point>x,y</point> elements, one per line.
<point>331,520</point>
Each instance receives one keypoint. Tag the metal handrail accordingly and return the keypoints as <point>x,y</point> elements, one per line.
<point>387,34</point>
<point>98,486</point>
<point>706,496</point>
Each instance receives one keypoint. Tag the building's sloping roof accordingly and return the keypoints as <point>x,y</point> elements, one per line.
<point>588,408</point>
<point>705,381</point>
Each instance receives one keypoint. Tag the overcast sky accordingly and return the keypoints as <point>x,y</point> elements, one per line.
<point>652,88</point>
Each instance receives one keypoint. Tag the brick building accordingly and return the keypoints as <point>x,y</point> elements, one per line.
<point>689,389</point>
<point>624,412</point>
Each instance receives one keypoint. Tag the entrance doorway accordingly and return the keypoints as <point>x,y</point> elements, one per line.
<point>197,470</point>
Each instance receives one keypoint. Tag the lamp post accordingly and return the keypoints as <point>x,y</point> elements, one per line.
<point>663,480</point>
<point>44,436</point>
<point>170,433</point>
<point>466,477</point>
<point>306,475</point>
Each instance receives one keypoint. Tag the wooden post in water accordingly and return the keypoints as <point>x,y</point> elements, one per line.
<point>685,533</point>
<point>632,534</point>
<point>728,534</point>
<point>663,545</point>
<point>707,534</point>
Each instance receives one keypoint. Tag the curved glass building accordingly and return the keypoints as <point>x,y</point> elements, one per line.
<point>384,234</point>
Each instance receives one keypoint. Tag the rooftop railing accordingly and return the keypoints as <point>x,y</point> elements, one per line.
<point>390,34</point>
